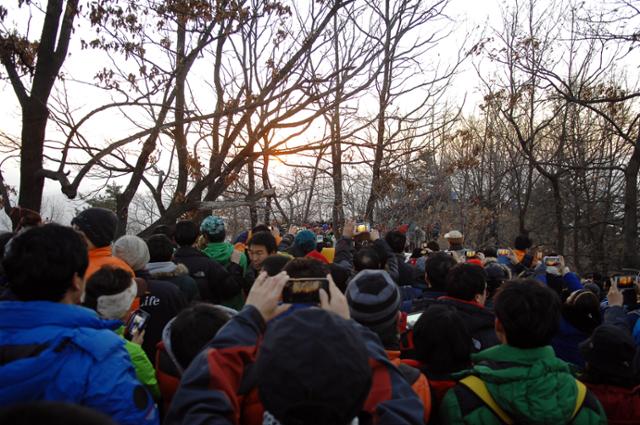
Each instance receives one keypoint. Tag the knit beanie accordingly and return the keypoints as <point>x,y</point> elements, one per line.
<point>612,352</point>
<point>374,299</point>
<point>305,240</point>
<point>212,225</point>
<point>98,225</point>
<point>132,250</point>
<point>302,364</point>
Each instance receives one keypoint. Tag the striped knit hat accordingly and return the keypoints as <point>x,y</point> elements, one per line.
<point>374,299</point>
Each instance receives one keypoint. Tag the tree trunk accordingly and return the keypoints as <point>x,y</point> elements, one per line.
<point>253,210</point>
<point>336,144</point>
<point>630,223</point>
<point>34,123</point>
<point>383,102</point>
<point>559,219</point>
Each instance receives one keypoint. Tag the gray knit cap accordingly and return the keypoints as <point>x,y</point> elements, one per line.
<point>374,299</point>
<point>132,250</point>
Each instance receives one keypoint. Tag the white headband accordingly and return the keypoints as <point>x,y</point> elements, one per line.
<point>116,306</point>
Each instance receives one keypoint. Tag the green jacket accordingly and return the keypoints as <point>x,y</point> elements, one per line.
<point>532,386</point>
<point>145,372</point>
<point>221,252</point>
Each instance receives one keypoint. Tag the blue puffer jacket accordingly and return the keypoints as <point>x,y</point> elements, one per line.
<point>58,352</point>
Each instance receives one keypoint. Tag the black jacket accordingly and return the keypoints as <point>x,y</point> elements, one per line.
<point>215,282</point>
<point>480,322</point>
<point>163,301</point>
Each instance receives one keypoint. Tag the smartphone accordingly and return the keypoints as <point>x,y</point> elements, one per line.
<point>412,319</point>
<point>363,228</point>
<point>539,255</point>
<point>470,253</point>
<point>625,281</point>
<point>319,239</point>
<point>552,261</point>
<point>137,322</point>
<point>451,253</point>
<point>304,291</point>
<point>504,252</point>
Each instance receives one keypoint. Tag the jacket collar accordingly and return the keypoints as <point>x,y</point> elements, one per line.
<point>508,353</point>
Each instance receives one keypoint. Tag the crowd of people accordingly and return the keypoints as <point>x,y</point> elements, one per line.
<point>192,326</point>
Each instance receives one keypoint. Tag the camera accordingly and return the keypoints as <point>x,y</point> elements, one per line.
<point>625,281</point>
<point>504,252</point>
<point>552,261</point>
<point>362,228</point>
<point>304,291</point>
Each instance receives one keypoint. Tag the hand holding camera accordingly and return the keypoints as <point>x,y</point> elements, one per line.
<point>265,295</point>
<point>334,301</point>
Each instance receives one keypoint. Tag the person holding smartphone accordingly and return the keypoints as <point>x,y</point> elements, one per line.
<point>111,292</point>
<point>55,350</point>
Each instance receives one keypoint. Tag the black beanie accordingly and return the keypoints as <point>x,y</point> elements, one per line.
<point>98,225</point>
<point>302,364</point>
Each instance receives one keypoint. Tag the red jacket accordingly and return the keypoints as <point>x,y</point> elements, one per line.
<point>214,390</point>
<point>622,405</point>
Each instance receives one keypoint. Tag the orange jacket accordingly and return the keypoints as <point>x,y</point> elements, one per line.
<point>99,257</point>
<point>420,385</point>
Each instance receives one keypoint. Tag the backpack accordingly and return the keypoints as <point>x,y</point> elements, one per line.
<point>479,389</point>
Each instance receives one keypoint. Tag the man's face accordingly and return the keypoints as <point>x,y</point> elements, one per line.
<point>257,254</point>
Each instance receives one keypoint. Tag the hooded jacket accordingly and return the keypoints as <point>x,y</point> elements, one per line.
<point>221,252</point>
<point>215,283</point>
<point>58,352</point>
<point>99,257</point>
<point>178,274</point>
<point>531,385</point>
<point>214,390</point>
<point>479,320</point>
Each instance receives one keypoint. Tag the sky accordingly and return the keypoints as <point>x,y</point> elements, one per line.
<point>473,17</point>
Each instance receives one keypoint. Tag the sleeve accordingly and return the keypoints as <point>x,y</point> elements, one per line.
<point>114,389</point>
<point>399,404</point>
<point>208,389</point>
<point>391,260</point>
<point>144,369</point>
<point>572,281</point>
<point>450,412</point>
<point>591,412</point>
<point>344,253</point>
<point>617,315</point>
<point>286,242</point>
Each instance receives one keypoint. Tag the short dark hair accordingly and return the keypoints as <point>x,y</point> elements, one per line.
<point>437,267</point>
<point>442,341</point>
<point>522,242</point>
<point>465,281</point>
<point>193,328</point>
<point>160,248</point>
<point>41,262</point>
<point>396,240</point>
<point>106,281</point>
<point>490,252</point>
<point>306,267</point>
<point>260,228</point>
<point>275,263</point>
<point>433,246</point>
<point>367,258</point>
<point>529,313</point>
<point>265,239</point>
<point>187,233</point>
<point>164,229</point>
